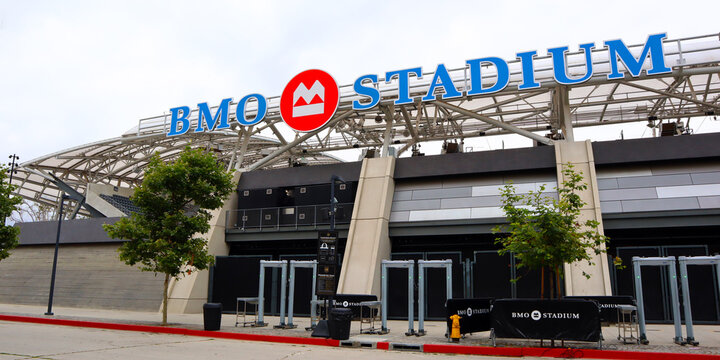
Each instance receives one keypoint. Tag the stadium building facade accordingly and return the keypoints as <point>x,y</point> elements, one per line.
<point>653,197</point>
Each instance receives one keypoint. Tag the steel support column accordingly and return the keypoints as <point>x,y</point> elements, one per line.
<point>561,100</point>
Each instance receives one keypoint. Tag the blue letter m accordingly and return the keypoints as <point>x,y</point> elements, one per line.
<point>204,116</point>
<point>653,47</point>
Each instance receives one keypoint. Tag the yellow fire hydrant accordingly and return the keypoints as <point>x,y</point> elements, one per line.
<point>455,328</point>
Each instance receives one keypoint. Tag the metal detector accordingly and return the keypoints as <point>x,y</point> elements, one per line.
<point>407,264</point>
<point>291,301</point>
<point>668,262</point>
<point>684,262</point>
<point>422,265</point>
<point>282,264</point>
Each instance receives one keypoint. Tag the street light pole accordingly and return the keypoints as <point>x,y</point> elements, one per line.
<point>333,202</point>
<point>333,209</point>
<point>13,164</point>
<point>57,245</point>
<point>12,171</point>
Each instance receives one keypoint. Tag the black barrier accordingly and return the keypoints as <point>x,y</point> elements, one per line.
<point>474,314</point>
<point>567,319</point>
<point>352,301</point>
<point>608,305</point>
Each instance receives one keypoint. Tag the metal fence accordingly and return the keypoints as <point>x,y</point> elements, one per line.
<point>286,217</point>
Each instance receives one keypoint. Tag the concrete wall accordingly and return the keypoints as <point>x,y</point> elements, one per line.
<point>88,276</point>
<point>368,241</point>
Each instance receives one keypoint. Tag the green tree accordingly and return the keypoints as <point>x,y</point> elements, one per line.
<point>8,204</point>
<point>175,200</point>
<point>545,233</point>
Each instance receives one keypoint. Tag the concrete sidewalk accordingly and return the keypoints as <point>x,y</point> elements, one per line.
<point>660,336</point>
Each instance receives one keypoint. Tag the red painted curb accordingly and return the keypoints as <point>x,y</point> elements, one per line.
<point>172,330</point>
<point>382,345</point>
<point>562,353</point>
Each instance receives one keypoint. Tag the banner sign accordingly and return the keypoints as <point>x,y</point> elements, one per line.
<point>474,314</point>
<point>608,305</point>
<point>327,263</point>
<point>568,319</point>
<point>311,98</point>
<point>352,301</point>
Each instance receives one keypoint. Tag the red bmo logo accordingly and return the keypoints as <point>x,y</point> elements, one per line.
<point>309,100</point>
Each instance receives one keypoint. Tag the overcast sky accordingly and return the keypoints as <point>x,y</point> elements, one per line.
<point>73,72</point>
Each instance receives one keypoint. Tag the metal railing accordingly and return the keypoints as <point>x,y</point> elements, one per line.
<point>286,217</point>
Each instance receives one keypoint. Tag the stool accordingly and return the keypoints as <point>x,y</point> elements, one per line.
<point>627,324</point>
<point>373,316</point>
<point>245,300</point>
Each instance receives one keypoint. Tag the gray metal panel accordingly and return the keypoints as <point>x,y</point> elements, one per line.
<point>479,201</point>
<point>610,207</point>
<point>607,184</point>
<point>476,162</point>
<point>303,175</point>
<point>709,202</point>
<point>402,195</point>
<point>660,204</point>
<point>534,177</point>
<point>399,216</point>
<point>442,193</point>
<point>691,166</point>
<point>628,194</point>
<point>416,205</point>
<point>474,181</point>
<point>75,231</point>
<point>706,178</point>
<point>655,180</point>
<point>699,146</point>
<point>418,184</point>
<point>662,219</point>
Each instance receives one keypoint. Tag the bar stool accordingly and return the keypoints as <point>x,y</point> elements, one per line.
<point>245,300</point>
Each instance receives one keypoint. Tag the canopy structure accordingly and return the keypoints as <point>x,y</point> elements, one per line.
<point>545,114</point>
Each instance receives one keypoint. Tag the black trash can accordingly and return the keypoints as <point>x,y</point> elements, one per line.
<point>339,323</point>
<point>212,314</point>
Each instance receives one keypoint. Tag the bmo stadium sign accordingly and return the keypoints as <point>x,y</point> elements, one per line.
<point>311,98</point>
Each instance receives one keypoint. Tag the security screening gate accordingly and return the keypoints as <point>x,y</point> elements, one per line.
<point>669,262</point>
<point>291,302</point>
<point>264,264</point>
<point>684,262</point>
<point>407,264</point>
<point>422,265</point>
